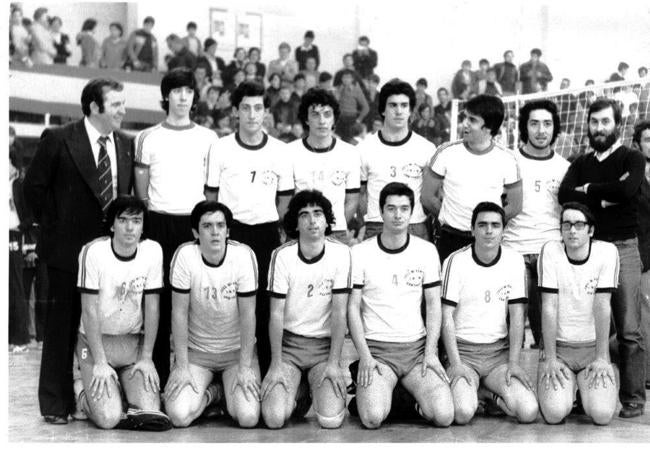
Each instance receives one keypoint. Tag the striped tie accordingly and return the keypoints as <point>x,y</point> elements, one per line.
<point>105,175</point>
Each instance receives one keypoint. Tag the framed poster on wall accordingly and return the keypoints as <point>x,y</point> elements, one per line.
<point>249,30</point>
<point>223,29</point>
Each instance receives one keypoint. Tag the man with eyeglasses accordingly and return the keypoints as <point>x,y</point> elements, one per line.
<point>577,278</point>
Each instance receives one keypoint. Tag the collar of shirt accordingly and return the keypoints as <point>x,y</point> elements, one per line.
<point>94,135</point>
<point>602,156</point>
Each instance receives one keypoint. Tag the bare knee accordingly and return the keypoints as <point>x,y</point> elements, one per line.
<point>107,417</point>
<point>527,410</point>
<point>372,417</point>
<point>553,411</point>
<point>441,415</point>
<point>331,422</point>
<point>180,416</point>
<point>601,414</point>
<point>464,412</point>
<point>274,417</point>
<point>248,418</point>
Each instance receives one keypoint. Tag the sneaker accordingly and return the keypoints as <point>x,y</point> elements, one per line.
<point>141,420</point>
<point>56,420</point>
<point>303,399</point>
<point>352,407</point>
<point>20,349</point>
<point>354,370</point>
<point>216,401</point>
<point>630,410</point>
<point>79,396</point>
<point>577,408</point>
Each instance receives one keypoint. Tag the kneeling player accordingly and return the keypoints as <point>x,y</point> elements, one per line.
<point>114,274</point>
<point>390,273</point>
<point>309,283</point>
<point>482,283</point>
<point>579,275</point>
<point>214,282</point>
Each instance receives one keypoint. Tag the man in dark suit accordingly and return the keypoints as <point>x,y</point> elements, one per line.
<point>76,172</point>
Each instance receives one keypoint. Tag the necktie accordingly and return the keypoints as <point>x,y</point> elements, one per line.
<point>105,175</point>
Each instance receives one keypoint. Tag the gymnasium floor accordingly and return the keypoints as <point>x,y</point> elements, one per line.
<point>26,424</point>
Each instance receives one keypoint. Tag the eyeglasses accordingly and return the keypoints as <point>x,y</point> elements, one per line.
<point>579,225</point>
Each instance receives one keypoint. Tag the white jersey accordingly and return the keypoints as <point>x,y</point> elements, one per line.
<point>482,292</point>
<point>119,282</point>
<point>577,283</point>
<point>470,178</point>
<point>383,162</point>
<point>308,285</point>
<point>539,219</point>
<point>177,159</point>
<point>213,320</point>
<point>250,177</point>
<point>392,282</point>
<point>333,171</point>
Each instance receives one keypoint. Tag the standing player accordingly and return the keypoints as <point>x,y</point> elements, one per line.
<point>394,154</point>
<point>214,282</point>
<point>482,284</point>
<point>322,162</point>
<point>542,171</point>
<point>469,171</point>
<point>391,273</point>
<point>119,280</point>
<point>577,278</point>
<point>170,175</point>
<point>251,173</point>
<point>309,282</point>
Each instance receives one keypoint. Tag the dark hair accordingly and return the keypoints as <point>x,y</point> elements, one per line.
<point>284,45</point>
<point>208,42</point>
<point>422,107</point>
<point>396,189</point>
<point>204,207</point>
<point>248,88</point>
<point>364,38</point>
<point>190,24</point>
<point>237,49</point>
<point>149,20</point>
<point>316,97</point>
<point>39,12</point>
<point>94,91</point>
<point>272,75</point>
<point>487,206</point>
<point>299,76</point>
<point>639,128</point>
<point>442,89</point>
<point>506,52</point>
<point>524,115</point>
<point>309,34</point>
<point>536,51</point>
<point>623,66</point>
<point>176,78</point>
<point>304,199</point>
<point>118,26</point>
<point>125,204</point>
<point>484,61</point>
<point>490,109</point>
<point>591,220</point>
<point>374,78</point>
<point>603,103</point>
<point>54,19</point>
<point>589,82</point>
<point>395,87</point>
<point>324,77</point>
<point>89,24</point>
<point>642,68</point>
<point>422,81</point>
<point>250,50</point>
<point>347,54</point>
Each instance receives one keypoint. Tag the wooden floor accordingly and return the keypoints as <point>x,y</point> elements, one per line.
<point>26,424</point>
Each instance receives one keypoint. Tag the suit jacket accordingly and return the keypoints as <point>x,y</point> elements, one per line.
<point>62,189</point>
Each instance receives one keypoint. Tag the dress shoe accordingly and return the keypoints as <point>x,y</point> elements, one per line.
<point>630,410</point>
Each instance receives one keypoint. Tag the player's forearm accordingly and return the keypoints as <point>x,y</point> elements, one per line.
<point>92,327</point>
<point>276,328</point>
<point>356,326</point>
<point>283,206</point>
<point>514,201</point>
<point>351,206</point>
<point>602,314</point>
<point>434,318</point>
<point>430,192</point>
<point>151,320</point>
<point>549,323</point>
<point>247,329</point>
<point>516,331</point>
<point>180,309</point>
<point>142,183</point>
<point>449,335</point>
<point>338,325</point>
<point>363,201</point>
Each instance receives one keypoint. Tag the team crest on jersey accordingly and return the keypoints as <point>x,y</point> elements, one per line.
<point>414,277</point>
<point>325,287</point>
<point>504,292</point>
<point>412,171</point>
<point>269,178</point>
<point>131,291</point>
<point>229,290</point>
<point>338,177</point>
<point>591,285</point>
<point>553,185</point>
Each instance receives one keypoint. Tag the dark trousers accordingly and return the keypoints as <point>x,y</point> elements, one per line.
<point>170,231</point>
<point>38,276</point>
<point>55,394</point>
<point>534,308</point>
<point>263,239</point>
<point>18,309</point>
<point>450,240</point>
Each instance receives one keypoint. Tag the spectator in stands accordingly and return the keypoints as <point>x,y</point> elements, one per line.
<point>273,90</point>
<point>507,74</point>
<point>215,65</point>
<point>425,125</point>
<point>113,53</point>
<point>142,48</point>
<point>299,87</point>
<point>61,41</point>
<point>490,85</point>
<point>285,110</point>
<point>224,124</point>
<point>191,41</point>
<point>250,73</point>
<point>203,83</point>
<point>43,50</point>
<point>307,49</point>
<point>353,106</point>
<point>269,125</point>
<point>348,64</point>
<point>442,114</point>
<point>182,57</point>
<point>311,73</point>
<point>20,38</point>
<point>444,103</point>
<point>534,75</point>
<point>372,95</point>
<point>237,63</point>
<point>422,97</point>
<point>365,59</point>
<point>254,55</point>
<point>620,74</point>
<point>90,48</point>
<point>481,74</point>
<point>284,65</point>
<point>463,81</point>
<point>325,80</point>
<point>210,105</point>
<point>643,72</point>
